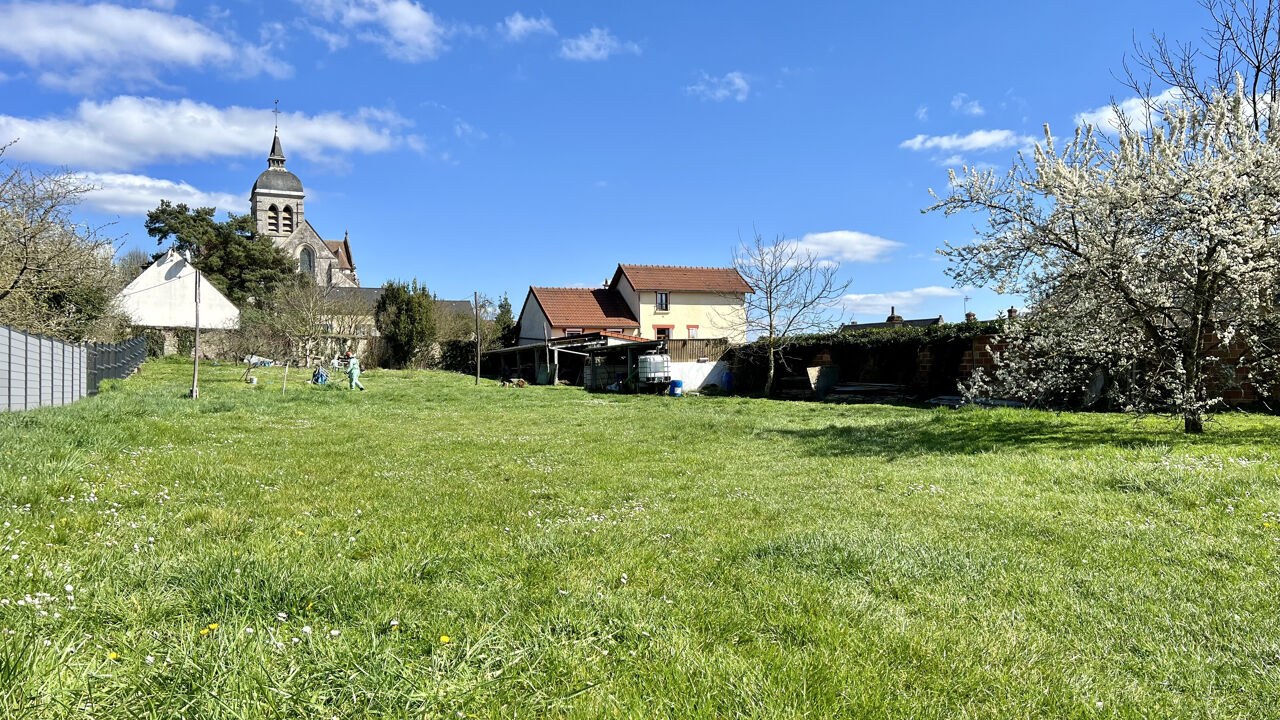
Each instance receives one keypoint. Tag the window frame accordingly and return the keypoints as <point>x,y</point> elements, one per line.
<point>305,251</point>
<point>691,332</point>
<point>571,332</point>
<point>662,301</point>
<point>670,329</point>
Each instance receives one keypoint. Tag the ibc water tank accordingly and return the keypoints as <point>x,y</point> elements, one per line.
<point>654,369</point>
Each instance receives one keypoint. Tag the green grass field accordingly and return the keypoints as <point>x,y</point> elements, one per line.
<point>433,549</point>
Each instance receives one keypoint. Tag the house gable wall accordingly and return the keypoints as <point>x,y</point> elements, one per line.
<point>716,315</point>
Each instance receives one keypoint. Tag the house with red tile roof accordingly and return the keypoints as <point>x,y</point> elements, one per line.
<point>642,301</point>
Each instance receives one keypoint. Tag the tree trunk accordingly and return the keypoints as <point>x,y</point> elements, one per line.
<point>768,383</point>
<point>1193,423</point>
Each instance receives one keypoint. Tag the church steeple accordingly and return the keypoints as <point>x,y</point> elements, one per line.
<point>276,158</point>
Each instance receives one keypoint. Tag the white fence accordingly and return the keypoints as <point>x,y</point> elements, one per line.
<point>37,371</point>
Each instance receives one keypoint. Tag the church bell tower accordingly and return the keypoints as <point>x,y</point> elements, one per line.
<point>276,199</point>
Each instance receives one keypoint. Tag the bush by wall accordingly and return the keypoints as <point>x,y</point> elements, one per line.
<point>926,360</point>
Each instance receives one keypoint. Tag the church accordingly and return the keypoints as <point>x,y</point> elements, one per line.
<point>277,205</point>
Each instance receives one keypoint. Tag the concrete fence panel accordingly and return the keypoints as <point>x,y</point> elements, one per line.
<point>37,371</point>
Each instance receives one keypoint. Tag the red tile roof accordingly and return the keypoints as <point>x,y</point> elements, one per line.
<point>584,307</point>
<point>685,279</point>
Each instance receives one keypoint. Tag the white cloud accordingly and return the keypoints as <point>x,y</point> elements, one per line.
<point>922,113</point>
<point>904,301</point>
<point>961,103</point>
<point>976,141</point>
<point>732,85</point>
<point>598,44</point>
<point>127,132</point>
<point>128,194</point>
<point>405,30</point>
<point>1134,109</point>
<point>466,131</point>
<point>848,245</point>
<point>89,47</point>
<point>517,27</point>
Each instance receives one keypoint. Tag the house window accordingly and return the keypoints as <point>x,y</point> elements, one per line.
<point>569,332</point>
<point>307,262</point>
<point>661,301</point>
<point>662,332</point>
<point>616,331</point>
<point>693,332</point>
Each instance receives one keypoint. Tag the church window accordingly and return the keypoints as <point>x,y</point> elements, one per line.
<point>286,223</point>
<point>306,261</point>
<point>273,219</point>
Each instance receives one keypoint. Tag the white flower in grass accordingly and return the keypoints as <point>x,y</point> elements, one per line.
<point>306,629</point>
<point>334,633</point>
<point>248,631</point>
<point>150,659</point>
<point>69,588</point>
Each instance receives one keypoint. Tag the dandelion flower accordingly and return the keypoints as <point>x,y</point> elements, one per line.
<point>213,626</point>
<point>204,631</point>
<point>445,639</point>
<point>113,656</point>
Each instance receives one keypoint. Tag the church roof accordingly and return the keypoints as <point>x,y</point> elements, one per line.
<point>342,250</point>
<point>279,180</point>
<point>275,177</point>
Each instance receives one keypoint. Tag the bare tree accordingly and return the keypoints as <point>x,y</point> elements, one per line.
<point>1241,38</point>
<point>56,275</point>
<point>795,291</point>
<point>301,313</point>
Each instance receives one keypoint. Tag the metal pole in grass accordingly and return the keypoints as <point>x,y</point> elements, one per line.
<point>195,373</point>
<point>476,306</point>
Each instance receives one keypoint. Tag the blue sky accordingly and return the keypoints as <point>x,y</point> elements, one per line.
<point>490,146</point>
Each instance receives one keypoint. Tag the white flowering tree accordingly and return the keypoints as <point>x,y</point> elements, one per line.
<point>1144,261</point>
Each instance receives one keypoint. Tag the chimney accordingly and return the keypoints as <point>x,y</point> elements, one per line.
<point>971,317</point>
<point>1013,312</point>
<point>894,317</point>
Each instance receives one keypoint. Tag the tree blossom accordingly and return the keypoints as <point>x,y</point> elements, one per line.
<point>1143,261</point>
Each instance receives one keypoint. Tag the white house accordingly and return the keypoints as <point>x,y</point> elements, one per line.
<point>164,297</point>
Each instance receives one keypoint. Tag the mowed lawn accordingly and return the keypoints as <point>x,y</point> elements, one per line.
<point>433,549</point>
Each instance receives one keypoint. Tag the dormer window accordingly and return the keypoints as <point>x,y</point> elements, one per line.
<point>286,221</point>
<point>273,219</point>
<point>661,301</point>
